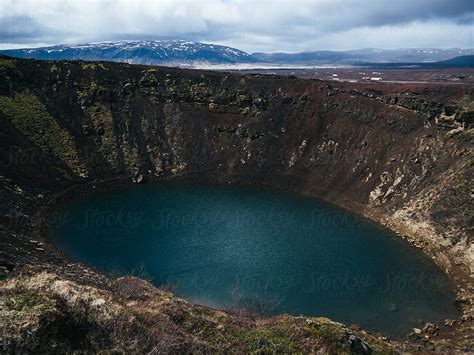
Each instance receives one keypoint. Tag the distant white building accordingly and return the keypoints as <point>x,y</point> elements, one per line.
<point>376,78</point>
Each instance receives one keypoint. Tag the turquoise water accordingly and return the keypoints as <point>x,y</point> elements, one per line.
<point>233,247</point>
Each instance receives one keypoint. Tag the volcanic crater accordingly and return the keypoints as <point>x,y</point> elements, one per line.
<point>397,154</point>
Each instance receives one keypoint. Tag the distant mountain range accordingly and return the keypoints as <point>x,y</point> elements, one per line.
<point>139,52</point>
<point>185,53</point>
<point>360,56</point>
<point>461,61</point>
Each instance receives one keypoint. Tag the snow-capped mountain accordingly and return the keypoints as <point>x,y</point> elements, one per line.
<point>166,52</point>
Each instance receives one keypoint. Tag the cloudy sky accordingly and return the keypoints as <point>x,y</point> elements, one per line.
<point>258,25</point>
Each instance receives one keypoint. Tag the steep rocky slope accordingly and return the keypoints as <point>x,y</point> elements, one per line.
<point>398,154</point>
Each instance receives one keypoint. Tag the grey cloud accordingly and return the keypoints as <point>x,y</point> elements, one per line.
<point>253,25</point>
<point>21,28</point>
<point>466,19</point>
<point>346,15</point>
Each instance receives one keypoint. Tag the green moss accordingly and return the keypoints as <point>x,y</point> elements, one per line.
<point>171,88</point>
<point>25,301</point>
<point>88,91</point>
<point>378,346</point>
<point>148,79</point>
<point>103,123</point>
<point>334,336</point>
<point>7,63</point>
<point>127,88</point>
<point>149,86</point>
<point>245,111</point>
<point>324,327</point>
<point>242,100</point>
<point>54,69</point>
<point>30,116</point>
<point>274,339</point>
<point>93,66</point>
